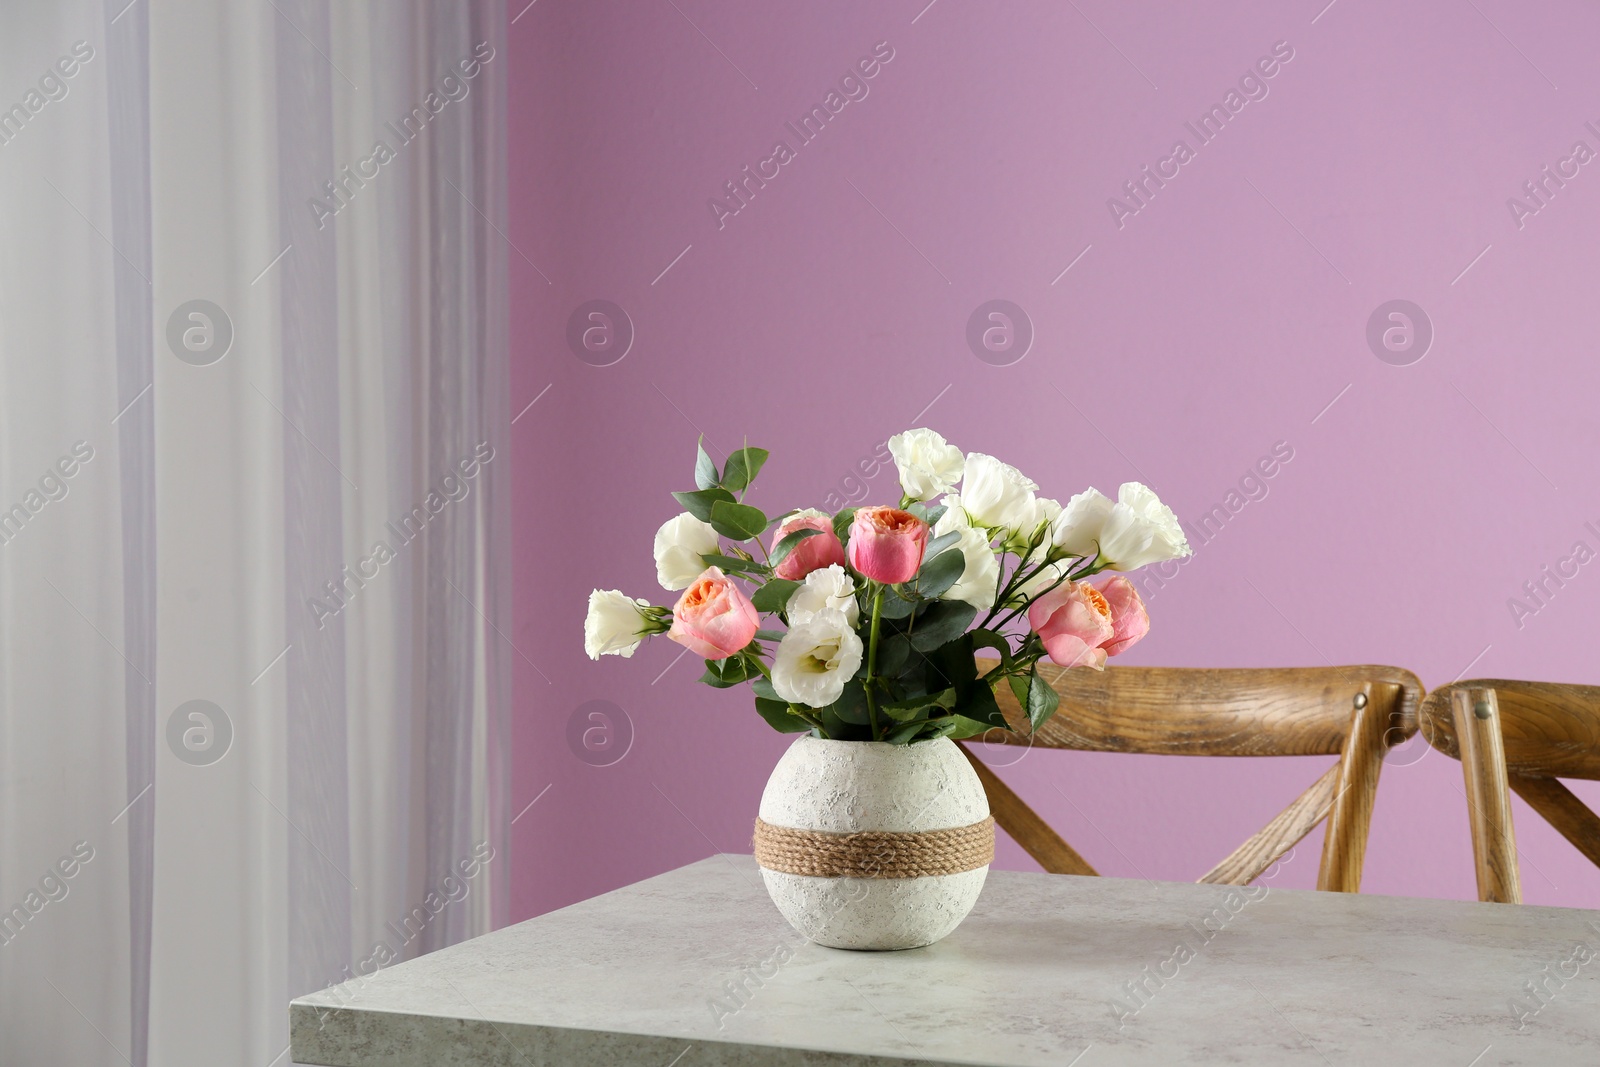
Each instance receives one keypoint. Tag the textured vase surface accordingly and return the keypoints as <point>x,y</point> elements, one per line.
<point>853,786</point>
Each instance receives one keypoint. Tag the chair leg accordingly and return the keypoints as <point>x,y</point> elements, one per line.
<point>1344,846</point>
<point>1562,810</point>
<point>1268,845</point>
<point>1016,818</point>
<point>1483,765</point>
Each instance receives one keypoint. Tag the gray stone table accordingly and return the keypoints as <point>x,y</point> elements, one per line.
<point>696,968</point>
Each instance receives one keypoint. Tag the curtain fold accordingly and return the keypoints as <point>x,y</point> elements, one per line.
<point>128,85</point>
<point>251,650</point>
<point>68,915</point>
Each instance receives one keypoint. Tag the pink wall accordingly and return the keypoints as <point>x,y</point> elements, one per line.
<point>1220,319</point>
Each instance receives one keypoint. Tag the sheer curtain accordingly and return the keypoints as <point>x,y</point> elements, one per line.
<point>253,688</point>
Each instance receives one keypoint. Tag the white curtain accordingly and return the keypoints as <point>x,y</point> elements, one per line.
<point>253,535</point>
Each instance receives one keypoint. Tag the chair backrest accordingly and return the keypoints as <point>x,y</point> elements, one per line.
<point>1355,713</point>
<point>1521,736</point>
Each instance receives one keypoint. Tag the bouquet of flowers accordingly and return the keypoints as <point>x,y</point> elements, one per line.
<point>875,615</point>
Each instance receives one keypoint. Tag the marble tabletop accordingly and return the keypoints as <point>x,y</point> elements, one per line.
<point>696,968</point>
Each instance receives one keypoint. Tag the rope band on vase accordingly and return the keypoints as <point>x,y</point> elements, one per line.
<point>874,853</point>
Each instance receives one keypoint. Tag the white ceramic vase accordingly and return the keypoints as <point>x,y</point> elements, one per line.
<point>851,787</point>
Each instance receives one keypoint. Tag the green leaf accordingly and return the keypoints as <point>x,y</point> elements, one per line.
<point>951,665</point>
<point>995,640</point>
<point>942,623</point>
<point>739,522</point>
<point>893,651</point>
<point>762,687</point>
<point>742,467</point>
<point>842,521</point>
<point>963,727</point>
<point>1042,700</point>
<point>900,713</point>
<point>774,596</point>
<point>715,680</point>
<point>902,735</point>
<point>895,606</point>
<point>779,717</point>
<point>833,727</point>
<point>1019,688</point>
<point>851,706</point>
<point>699,503</point>
<point>975,700</point>
<point>770,635</point>
<point>916,707</point>
<point>940,543</point>
<point>705,469</point>
<point>734,563</point>
<point>723,673</point>
<point>791,540</point>
<point>934,514</point>
<point>940,573</point>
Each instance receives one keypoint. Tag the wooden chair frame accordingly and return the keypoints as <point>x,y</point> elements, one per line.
<point>1521,736</point>
<point>1355,713</point>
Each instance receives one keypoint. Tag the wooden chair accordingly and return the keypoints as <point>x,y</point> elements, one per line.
<point>1355,713</point>
<point>1521,735</point>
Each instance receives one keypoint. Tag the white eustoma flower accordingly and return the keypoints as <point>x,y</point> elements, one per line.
<point>615,625</point>
<point>680,543</point>
<point>928,464</point>
<point>1077,529</point>
<point>979,582</point>
<point>954,517</point>
<point>996,494</point>
<point>1140,530</point>
<point>1045,511</point>
<point>815,659</point>
<point>825,589</point>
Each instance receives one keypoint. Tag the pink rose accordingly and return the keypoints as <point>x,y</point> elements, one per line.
<point>1074,620</point>
<point>713,617</point>
<point>1129,621</point>
<point>812,554</point>
<point>886,544</point>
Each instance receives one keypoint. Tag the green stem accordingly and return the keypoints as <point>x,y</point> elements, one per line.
<point>1085,568</point>
<point>1089,566</point>
<point>1001,586</point>
<point>1020,576</point>
<point>872,657</point>
<point>815,725</point>
<point>1054,585</point>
